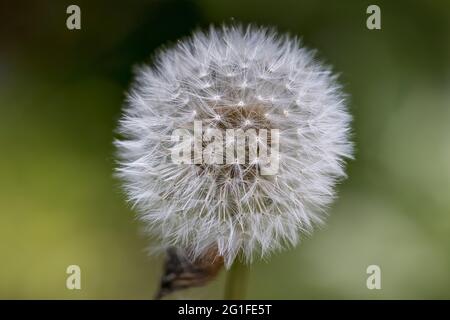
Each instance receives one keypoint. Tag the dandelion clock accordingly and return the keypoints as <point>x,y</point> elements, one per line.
<point>231,145</point>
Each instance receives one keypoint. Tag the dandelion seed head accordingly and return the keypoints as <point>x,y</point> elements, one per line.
<point>234,77</point>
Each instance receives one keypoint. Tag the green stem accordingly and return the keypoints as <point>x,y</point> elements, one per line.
<point>236,283</point>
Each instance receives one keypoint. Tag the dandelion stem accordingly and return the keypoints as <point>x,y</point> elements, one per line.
<point>236,283</point>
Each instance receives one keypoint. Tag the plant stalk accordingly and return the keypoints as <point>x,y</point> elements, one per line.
<point>236,282</point>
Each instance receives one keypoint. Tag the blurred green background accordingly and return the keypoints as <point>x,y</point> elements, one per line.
<point>60,97</point>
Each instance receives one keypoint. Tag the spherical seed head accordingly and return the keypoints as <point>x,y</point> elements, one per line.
<point>234,78</point>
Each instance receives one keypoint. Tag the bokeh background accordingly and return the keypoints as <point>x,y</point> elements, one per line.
<point>60,97</point>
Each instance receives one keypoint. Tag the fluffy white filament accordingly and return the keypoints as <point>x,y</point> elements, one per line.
<point>223,206</point>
